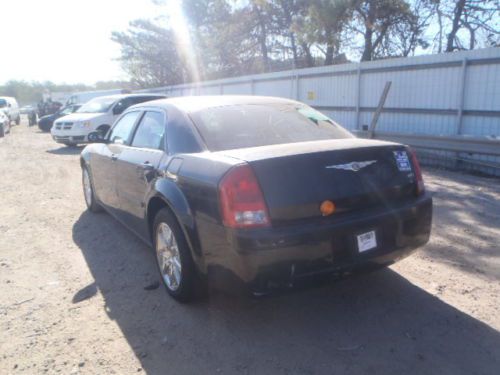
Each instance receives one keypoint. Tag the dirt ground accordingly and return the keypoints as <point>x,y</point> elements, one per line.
<point>73,297</point>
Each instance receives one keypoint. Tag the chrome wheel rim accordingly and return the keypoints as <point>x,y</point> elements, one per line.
<point>87,187</point>
<point>167,254</point>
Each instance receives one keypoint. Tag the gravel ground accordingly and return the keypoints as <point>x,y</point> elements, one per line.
<point>72,297</point>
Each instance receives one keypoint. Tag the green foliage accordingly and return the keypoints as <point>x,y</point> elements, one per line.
<point>238,37</point>
<point>149,54</point>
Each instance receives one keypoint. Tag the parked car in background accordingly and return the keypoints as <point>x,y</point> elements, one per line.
<point>48,107</point>
<point>10,107</point>
<point>85,96</point>
<point>25,110</point>
<point>4,124</point>
<point>259,191</point>
<point>45,123</point>
<point>97,115</point>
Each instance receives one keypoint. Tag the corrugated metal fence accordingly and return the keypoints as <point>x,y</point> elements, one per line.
<point>448,104</point>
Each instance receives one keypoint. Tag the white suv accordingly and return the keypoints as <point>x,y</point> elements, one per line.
<point>11,109</point>
<point>97,115</point>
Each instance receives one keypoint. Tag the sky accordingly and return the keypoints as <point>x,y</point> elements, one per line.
<point>65,41</point>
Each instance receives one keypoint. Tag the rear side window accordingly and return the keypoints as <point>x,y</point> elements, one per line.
<point>123,128</point>
<point>150,131</point>
<point>142,99</point>
<point>252,125</point>
<point>180,137</point>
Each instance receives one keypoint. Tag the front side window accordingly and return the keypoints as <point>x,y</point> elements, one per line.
<point>150,131</point>
<point>123,128</point>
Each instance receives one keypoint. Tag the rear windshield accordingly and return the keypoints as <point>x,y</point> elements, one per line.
<point>252,125</point>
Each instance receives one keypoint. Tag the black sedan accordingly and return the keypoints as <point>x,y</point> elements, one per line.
<point>45,122</point>
<point>255,191</point>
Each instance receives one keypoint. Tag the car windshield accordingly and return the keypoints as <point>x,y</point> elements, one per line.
<point>3,103</point>
<point>66,111</point>
<point>98,105</point>
<point>252,125</point>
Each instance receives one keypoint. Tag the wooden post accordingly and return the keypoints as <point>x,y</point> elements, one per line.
<point>461,97</point>
<point>358,96</point>
<point>380,106</point>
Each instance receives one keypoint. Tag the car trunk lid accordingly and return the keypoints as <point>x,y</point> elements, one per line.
<point>355,174</point>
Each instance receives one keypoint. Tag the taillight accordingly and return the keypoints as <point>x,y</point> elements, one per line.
<point>242,202</point>
<point>418,172</point>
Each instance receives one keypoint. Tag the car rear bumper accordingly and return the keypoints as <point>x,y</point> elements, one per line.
<point>262,258</point>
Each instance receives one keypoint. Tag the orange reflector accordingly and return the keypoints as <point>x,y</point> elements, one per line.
<point>327,208</point>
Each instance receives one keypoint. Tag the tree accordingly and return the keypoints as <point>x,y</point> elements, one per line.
<point>238,37</point>
<point>286,15</point>
<point>149,55</point>
<point>405,37</point>
<point>475,16</point>
<point>325,25</point>
<point>226,38</point>
<point>375,20</point>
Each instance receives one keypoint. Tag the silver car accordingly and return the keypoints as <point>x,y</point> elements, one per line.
<point>4,124</point>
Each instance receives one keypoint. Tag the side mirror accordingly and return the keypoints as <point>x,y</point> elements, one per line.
<point>119,108</point>
<point>97,137</point>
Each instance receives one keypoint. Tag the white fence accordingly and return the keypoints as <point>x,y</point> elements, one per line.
<point>456,94</point>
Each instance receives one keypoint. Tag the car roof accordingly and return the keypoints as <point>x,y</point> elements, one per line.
<point>196,103</point>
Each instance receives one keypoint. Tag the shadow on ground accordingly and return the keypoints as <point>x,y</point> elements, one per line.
<point>466,223</point>
<point>66,150</point>
<point>374,323</point>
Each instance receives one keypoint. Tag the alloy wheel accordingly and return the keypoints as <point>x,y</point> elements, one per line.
<point>168,256</point>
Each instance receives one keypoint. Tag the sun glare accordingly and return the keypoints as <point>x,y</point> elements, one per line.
<point>179,25</point>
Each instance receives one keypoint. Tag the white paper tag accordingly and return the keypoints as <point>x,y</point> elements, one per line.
<point>367,241</point>
<point>402,161</point>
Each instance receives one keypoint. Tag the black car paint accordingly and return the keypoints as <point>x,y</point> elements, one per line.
<point>289,249</point>
<point>45,122</point>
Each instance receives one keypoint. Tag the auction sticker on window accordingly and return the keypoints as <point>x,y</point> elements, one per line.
<point>367,241</point>
<point>402,161</point>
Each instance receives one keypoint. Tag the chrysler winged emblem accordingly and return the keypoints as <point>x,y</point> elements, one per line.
<point>353,166</point>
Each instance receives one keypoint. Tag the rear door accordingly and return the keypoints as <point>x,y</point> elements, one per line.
<point>103,163</point>
<point>137,167</point>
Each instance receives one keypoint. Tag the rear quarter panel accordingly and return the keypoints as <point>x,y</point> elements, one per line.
<point>195,202</point>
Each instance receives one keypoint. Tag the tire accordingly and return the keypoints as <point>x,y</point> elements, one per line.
<point>180,288</point>
<point>2,131</point>
<point>89,195</point>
